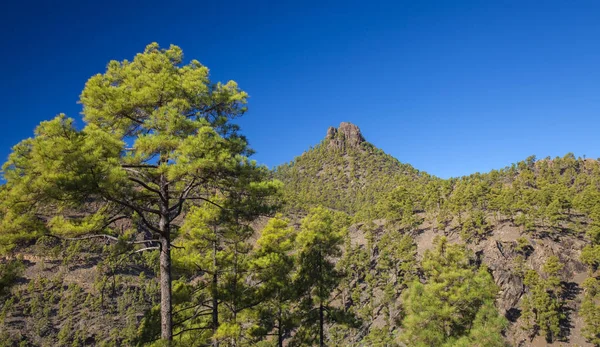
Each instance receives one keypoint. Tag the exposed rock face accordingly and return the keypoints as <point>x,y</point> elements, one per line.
<point>331,132</point>
<point>500,259</point>
<point>347,135</point>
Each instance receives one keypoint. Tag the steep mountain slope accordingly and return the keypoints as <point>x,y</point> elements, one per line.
<point>343,172</point>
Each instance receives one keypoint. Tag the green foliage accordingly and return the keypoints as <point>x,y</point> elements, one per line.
<point>475,226</point>
<point>590,310</point>
<point>546,196</point>
<point>455,304</point>
<point>53,309</point>
<point>485,329</point>
<point>590,255</point>
<point>348,180</point>
<point>399,207</point>
<point>380,337</point>
<point>274,266</point>
<point>398,256</point>
<point>9,272</point>
<point>542,307</point>
<point>150,325</point>
<point>320,237</point>
<point>523,245</point>
<point>157,139</point>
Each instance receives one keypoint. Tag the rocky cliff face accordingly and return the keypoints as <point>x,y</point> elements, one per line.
<point>347,135</point>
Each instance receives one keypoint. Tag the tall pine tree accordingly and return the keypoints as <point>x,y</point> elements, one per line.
<point>157,136</point>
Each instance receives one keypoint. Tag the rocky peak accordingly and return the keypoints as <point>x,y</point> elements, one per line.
<point>347,134</point>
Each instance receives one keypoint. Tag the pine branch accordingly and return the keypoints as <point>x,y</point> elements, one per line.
<point>145,249</point>
<point>97,236</point>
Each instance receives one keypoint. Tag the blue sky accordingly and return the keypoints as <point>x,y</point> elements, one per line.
<point>451,87</point>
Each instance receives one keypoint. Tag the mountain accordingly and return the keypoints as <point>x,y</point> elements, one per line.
<point>509,257</point>
<point>516,221</point>
<point>343,172</point>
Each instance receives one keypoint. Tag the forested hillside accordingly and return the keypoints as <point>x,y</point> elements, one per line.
<point>350,173</point>
<point>533,225</point>
<point>150,226</point>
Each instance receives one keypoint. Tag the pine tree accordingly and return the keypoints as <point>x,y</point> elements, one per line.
<point>542,308</point>
<point>217,238</point>
<point>590,310</point>
<point>157,137</point>
<point>397,268</point>
<point>274,266</point>
<point>442,310</point>
<point>319,240</point>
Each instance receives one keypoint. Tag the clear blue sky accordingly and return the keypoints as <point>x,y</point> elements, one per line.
<point>451,87</point>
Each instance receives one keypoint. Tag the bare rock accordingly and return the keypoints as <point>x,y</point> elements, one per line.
<point>331,132</point>
<point>499,257</point>
<point>347,135</point>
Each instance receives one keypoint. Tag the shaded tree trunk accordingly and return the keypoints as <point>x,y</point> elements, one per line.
<point>321,323</point>
<point>166,318</point>
<point>166,323</point>
<point>280,329</point>
<point>215,299</point>
<point>321,308</point>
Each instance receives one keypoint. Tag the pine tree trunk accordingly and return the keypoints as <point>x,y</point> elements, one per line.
<point>321,309</point>
<point>321,323</point>
<point>279,328</point>
<point>235,297</point>
<point>215,299</point>
<point>166,324</point>
<point>166,318</point>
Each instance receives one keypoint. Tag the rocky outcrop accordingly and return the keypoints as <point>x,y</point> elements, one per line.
<point>500,257</point>
<point>346,135</point>
<point>331,132</point>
